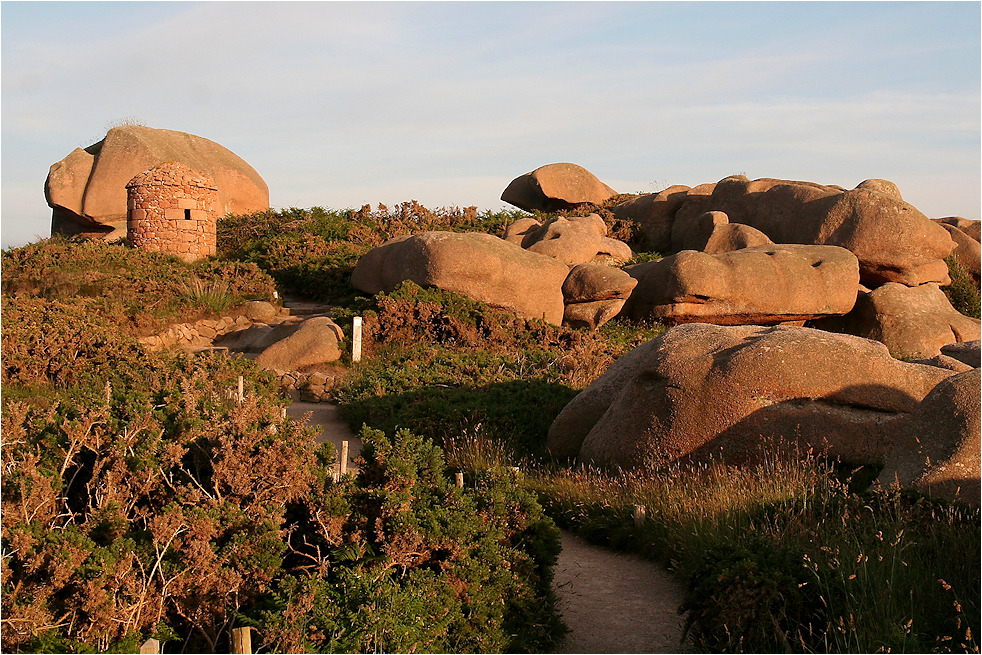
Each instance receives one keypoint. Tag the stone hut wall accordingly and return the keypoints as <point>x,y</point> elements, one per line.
<point>171,209</point>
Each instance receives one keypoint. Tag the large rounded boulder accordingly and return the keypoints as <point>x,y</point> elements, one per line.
<point>553,187</point>
<point>87,189</point>
<point>701,391</point>
<point>938,447</point>
<point>480,266</point>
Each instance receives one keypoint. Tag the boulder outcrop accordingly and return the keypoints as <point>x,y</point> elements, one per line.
<point>480,266</point>
<point>655,213</point>
<point>87,189</point>
<point>768,284</point>
<point>938,448</point>
<point>913,322</point>
<point>968,226</point>
<point>967,251</point>
<point>553,187</point>
<point>893,241</point>
<point>701,391</point>
<point>574,240</point>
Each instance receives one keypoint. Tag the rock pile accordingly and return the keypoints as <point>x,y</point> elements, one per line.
<point>861,264</point>
<point>747,253</point>
<point>299,351</point>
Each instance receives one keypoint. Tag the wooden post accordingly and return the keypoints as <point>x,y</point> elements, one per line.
<point>150,647</point>
<point>241,640</point>
<point>639,515</point>
<point>460,478</point>
<point>109,394</point>
<point>356,339</point>
<point>284,412</point>
<point>344,458</point>
<point>241,390</point>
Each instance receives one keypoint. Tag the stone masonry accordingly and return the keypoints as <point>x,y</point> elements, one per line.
<point>171,208</point>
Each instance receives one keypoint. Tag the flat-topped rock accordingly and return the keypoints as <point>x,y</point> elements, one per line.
<point>761,285</point>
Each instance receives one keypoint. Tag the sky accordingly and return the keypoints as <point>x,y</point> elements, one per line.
<point>341,104</point>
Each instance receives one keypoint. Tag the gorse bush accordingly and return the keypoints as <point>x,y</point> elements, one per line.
<point>413,563</point>
<point>160,512</point>
<point>174,511</point>
<point>963,292</point>
<point>141,499</point>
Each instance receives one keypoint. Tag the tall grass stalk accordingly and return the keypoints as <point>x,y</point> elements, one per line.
<point>213,295</point>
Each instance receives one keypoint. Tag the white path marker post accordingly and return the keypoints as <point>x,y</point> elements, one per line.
<point>344,458</point>
<point>241,395</point>
<point>242,640</point>
<point>356,339</point>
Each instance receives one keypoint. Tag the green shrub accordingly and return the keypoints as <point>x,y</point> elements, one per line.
<point>311,252</point>
<point>420,565</point>
<point>963,292</point>
<point>159,513</point>
<point>159,506</point>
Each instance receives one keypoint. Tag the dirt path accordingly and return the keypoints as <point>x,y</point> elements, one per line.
<point>333,429</point>
<point>616,603</point>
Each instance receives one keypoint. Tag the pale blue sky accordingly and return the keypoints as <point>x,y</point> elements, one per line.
<point>340,104</point>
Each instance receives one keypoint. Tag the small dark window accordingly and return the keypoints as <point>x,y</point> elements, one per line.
<point>187,214</point>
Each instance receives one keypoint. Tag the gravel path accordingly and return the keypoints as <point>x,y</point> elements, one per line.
<point>616,603</point>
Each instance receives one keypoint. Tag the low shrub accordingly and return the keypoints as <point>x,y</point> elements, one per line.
<point>311,252</point>
<point>963,292</point>
<point>140,498</point>
<point>414,563</point>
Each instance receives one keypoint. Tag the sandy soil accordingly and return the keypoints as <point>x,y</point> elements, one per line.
<point>616,603</point>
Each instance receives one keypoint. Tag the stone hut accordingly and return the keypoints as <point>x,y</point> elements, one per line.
<point>171,208</point>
